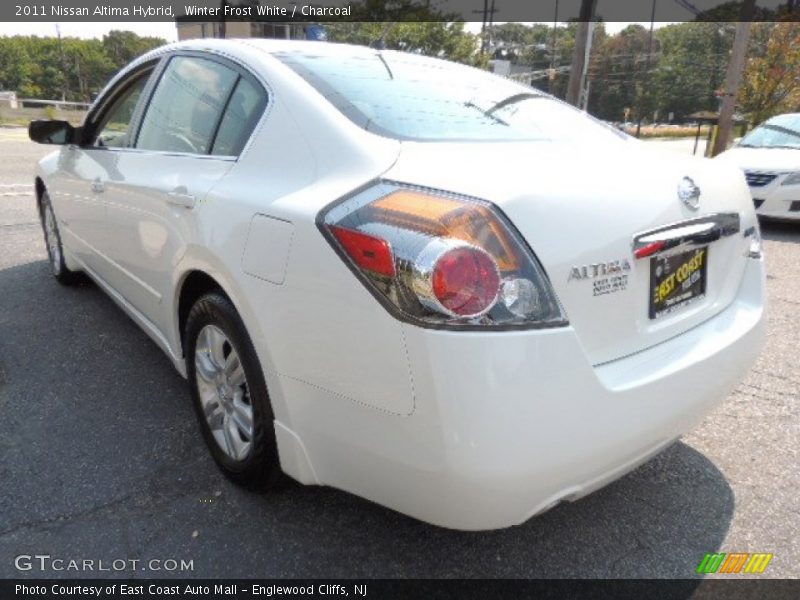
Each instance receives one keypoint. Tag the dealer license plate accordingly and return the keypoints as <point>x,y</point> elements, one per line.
<point>677,280</point>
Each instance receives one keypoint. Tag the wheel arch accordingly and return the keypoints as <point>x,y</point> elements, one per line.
<point>194,284</point>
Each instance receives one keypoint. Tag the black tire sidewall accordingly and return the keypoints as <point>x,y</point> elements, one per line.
<point>261,468</point>
<point>47,206</point>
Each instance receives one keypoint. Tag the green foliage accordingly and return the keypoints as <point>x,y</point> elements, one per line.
<point>771,83</point>
<point>424,29</point>
<point>691,67</point>
<point>72,69</point>
<point>432,38</point>
<point>618,68</point>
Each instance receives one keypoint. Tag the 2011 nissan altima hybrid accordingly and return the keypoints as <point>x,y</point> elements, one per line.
<point>405,278</point>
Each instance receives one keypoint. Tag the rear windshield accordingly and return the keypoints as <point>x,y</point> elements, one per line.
<point>404,96</point>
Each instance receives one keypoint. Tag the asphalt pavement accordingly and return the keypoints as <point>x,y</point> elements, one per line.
<point>101,458</point>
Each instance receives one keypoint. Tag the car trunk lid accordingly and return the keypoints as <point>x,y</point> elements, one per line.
<point>585,209</point>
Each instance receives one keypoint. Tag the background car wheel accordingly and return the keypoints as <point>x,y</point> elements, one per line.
<point>230,394</point>
<point>52,239</point>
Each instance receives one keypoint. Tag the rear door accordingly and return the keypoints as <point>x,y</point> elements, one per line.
<point>201,112</point>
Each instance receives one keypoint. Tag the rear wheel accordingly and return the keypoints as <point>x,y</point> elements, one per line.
<point>230,394</point>
<point>52,239</point>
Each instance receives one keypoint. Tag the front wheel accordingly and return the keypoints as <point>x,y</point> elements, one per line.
<point>52,239</point>
<point>230,394</point>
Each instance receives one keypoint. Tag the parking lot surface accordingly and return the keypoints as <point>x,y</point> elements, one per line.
<point>101,457</point>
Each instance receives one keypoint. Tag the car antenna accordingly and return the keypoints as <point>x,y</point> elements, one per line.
<point>380,43</point>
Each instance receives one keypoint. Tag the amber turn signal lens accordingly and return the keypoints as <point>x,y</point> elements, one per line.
<point>446,218</point>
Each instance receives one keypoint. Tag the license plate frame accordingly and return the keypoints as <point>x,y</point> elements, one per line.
<point>677,279</point>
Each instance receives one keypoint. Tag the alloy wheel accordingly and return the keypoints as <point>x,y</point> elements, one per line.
<point>223,391</point>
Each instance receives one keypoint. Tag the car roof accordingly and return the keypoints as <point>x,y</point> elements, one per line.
<point>785,116</point>
<point>271,46</point>
<point>246,46</point>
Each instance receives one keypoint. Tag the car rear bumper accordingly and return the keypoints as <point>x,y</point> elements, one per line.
<point>507,424</point>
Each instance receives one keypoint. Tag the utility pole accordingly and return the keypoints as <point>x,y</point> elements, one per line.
<point>733,77</point>
<point>222,28</point>
<point>552,72</point>
<point>584,92</point>
<point>483,25</point>
<point>579,55</point>
<point>488,22</point>
<point>64,72</point>
<point>647,66</point>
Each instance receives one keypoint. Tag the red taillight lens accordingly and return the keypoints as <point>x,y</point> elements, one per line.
<point>466,281</point>
<point>441,260</point>
<point>368,252</point>
<point>650,249</point>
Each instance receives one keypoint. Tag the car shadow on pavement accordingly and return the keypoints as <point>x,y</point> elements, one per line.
<point>658,521</point>
<point>102,458</point>
<point>780,231</point>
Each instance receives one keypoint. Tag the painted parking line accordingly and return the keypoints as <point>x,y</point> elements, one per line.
<point>15,189</point>
<point>19,190</point>
<point>13,134</point>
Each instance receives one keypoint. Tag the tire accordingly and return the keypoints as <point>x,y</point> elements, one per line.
<point>229,395</point>
<point>52,240</point>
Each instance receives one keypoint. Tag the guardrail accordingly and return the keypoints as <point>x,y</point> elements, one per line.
<point>60,103</point>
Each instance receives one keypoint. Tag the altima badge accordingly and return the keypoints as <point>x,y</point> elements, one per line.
<point>689,193</point>
<point>606,277</point>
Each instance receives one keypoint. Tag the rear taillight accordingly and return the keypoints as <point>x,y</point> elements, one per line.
<point>441,260</point>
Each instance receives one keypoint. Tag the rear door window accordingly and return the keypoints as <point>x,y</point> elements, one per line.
<point>244,108</point>
<point>186,106</point>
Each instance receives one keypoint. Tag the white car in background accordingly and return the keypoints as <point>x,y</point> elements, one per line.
<point>406,278</point>
<point>770,157</point>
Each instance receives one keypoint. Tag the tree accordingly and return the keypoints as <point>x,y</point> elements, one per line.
<point>771,83</point>
<point>15,71</point>
<point>88,66</point>
<point>34,68</point>
<point>432,38</point>
<point>615,73</point>
<point>691,67</point>
<point>409,25</point>
<point>122,47</point>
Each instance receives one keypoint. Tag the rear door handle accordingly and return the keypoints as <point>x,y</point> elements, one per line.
<point>181,199</point>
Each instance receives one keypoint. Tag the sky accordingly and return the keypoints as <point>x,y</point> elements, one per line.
<point>165,30</point>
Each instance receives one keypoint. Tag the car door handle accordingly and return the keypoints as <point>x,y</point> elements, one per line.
<point>181,199</point>
<point>98,187</point>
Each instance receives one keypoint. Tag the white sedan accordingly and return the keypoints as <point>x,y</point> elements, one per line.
<point>406,278</point>
<point>770,158</point>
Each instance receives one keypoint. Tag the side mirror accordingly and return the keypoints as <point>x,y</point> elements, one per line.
<point>52,132</point>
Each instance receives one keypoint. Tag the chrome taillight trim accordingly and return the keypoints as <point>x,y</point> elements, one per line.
<point>422,275</point>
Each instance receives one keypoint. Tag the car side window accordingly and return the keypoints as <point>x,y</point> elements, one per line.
<point>186,106</point>
<point>241,115</point>
<point>114,128</point>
